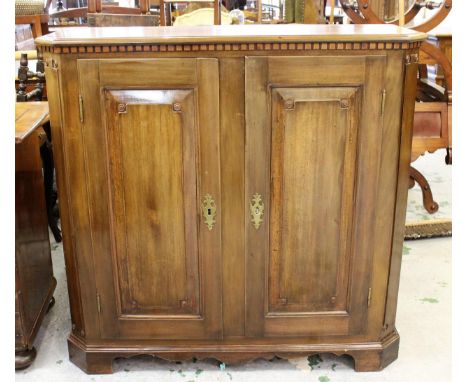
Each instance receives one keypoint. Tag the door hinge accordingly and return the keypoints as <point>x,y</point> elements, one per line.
<point>382,104</point>
<point>98,299</point>
<point>80,101</point>
<point>369,297</point>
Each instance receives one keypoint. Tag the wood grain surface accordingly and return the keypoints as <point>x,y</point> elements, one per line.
<point>28,117</point>
<point>148,125</point>
<point>229,33</point>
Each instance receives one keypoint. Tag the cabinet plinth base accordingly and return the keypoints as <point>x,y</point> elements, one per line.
<point>368,356</point>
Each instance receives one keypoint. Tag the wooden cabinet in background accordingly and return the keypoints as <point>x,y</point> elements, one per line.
<point>232,192</point>
<point>34,279</point>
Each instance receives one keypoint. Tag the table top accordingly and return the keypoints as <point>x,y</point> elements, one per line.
<point>230,33</point>
<point>29,116</point>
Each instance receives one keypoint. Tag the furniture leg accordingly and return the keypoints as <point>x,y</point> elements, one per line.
<point>51,304</point>
<point>24,358</point>
<point>448,157</point>
<point>429,204</point>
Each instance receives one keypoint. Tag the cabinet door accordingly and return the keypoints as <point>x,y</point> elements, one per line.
<point>160,277</point>
<point>312,128</point>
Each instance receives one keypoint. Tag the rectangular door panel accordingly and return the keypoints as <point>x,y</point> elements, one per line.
<point>153,188</point>
<point>309,227</point>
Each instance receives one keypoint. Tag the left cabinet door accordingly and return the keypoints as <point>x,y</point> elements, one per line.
<point>158,200</point>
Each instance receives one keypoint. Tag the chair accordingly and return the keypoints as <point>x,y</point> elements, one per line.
<point>97,7</point>
<point>433,110</point>
<point>432,128</point>
<point>165,11</point>
<point>34,15</point>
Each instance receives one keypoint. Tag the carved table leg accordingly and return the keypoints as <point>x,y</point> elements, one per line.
<point>429,204</point>
<point>51,304</point>
<point>448,157</point>
<point>24,358</point>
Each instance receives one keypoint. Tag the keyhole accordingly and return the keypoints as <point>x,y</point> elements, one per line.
<point>257,211</point>
<point>209,211</point>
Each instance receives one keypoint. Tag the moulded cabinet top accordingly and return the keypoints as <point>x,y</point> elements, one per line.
<point>230,34</point>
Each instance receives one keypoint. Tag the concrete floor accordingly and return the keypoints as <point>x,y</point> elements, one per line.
<point>423,320</point>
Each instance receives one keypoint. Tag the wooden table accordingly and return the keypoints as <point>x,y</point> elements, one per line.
<point>28,117</point>
<point>35,283</point>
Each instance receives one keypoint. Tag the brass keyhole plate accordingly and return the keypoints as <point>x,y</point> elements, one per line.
<point>209,211</point>
<point>257,209</point>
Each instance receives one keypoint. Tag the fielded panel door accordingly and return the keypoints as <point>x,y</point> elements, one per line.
<point>311,122</point>
<point>151,127</point>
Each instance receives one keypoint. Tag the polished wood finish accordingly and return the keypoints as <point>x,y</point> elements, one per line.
<point>34,281</point>
<point>301,253</point>
<point>150,126</point>
<point>158,251</point>
<point>28,117</point>
<point>297,33</point>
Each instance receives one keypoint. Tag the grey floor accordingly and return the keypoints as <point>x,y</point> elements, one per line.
<point>423,320</point>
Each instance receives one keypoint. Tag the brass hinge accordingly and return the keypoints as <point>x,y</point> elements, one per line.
<point>80,101</point>
<point>98,298</point>
<point>369,297</point>
<point>382,104</point>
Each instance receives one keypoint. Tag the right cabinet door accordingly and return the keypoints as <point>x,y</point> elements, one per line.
<point>313,133</point>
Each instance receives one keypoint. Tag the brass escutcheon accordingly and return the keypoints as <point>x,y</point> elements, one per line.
<point>209,211</point>
<point>256,210</point>
<point>122,108</point>
<point>289,104</point>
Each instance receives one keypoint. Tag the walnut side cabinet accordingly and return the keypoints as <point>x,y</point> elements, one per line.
<point>234,192</point>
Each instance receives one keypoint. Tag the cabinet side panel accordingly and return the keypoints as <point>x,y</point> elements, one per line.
<point>368,162</point>
<point>94,140</point>
<point>386,189</point>
<point>56,122</point>
<point>402,194</point>
<point>232,130</point>
<point>78,193</point>
<point>144,160</point>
